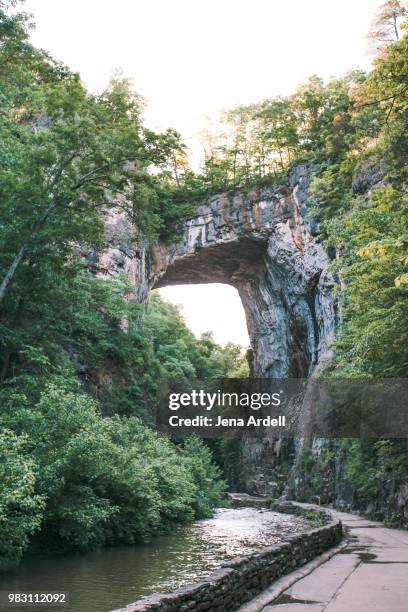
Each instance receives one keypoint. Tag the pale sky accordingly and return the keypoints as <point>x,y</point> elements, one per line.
<point>192,58</point>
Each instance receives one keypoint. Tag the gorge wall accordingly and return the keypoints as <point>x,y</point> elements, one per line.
<point>262,244</point>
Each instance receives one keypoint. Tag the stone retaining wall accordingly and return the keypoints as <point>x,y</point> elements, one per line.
<point>241,579</point>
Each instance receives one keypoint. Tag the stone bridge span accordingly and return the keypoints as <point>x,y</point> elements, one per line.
<point>262,244</point>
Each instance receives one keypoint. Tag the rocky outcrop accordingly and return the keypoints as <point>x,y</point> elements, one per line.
<point>243,500</point>
<point>264,244</point>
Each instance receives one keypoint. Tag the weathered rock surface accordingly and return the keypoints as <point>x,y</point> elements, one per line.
<point>263,244</point>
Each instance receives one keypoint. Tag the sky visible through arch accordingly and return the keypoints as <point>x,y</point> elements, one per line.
<point>193,58</point>
<point>212,307</point>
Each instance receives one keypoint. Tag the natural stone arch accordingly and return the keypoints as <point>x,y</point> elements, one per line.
<point>262,244</point>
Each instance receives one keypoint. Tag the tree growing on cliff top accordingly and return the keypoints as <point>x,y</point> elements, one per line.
<point>385,27</point>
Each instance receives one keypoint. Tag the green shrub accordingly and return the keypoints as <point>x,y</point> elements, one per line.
<point>21,509</point>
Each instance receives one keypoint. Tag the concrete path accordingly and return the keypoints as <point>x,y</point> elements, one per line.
<point>368,573</point>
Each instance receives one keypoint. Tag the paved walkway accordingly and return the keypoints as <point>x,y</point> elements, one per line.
<point>368,573</point>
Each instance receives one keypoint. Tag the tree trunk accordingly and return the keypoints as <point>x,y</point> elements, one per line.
<point>396,28</point>
<point>11,271</point>
<point>5,366</point>
<point>37,225</point>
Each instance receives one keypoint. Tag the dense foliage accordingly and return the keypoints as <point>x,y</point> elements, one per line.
<point>79,459</point>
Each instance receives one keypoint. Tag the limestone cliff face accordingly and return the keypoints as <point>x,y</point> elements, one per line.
<point>263,244</point>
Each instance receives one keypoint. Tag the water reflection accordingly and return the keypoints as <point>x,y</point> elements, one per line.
<point>114,577</point>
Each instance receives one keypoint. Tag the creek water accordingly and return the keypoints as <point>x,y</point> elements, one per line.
<point>113,577</point>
